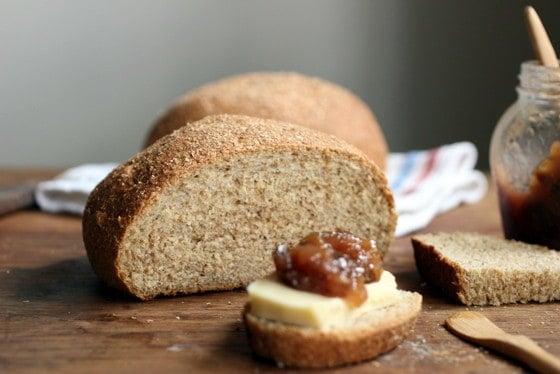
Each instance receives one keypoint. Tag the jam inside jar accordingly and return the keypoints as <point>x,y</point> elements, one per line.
<point>336,264</point>
<point>534,216</point>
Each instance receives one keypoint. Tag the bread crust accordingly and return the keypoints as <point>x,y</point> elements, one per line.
<point>438,271</point>
<point>284,96</point>
<point>302,347</point>
<point>125,193</point>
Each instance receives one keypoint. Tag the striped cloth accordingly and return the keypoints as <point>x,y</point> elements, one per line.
<point>424,183</point>
<point>427,183</point>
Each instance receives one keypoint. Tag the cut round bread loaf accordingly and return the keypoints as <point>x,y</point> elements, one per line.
<point>203,208</point>
<point>289,97</point>
<point>362,338</point>
<point>477,269</point>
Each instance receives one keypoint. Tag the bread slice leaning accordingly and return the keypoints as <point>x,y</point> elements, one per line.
<point>203,208</point>
<point>359,339</point>
<point>284,96</point>
<point>477,269</point>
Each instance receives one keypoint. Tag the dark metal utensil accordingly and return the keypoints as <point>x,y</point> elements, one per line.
<point>16,197</point>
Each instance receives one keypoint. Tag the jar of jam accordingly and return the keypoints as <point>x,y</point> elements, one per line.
<point>525,158</point>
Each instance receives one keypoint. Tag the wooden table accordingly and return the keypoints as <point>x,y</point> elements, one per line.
<point>57,315</point>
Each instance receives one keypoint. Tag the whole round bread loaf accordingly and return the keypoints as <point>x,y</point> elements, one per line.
<point>203,208</point>
<point>290,97</point>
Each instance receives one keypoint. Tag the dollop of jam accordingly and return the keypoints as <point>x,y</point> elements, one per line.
<point>336,264</point>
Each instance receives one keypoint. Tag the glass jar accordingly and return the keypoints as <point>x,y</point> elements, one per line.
<point>525,158</point>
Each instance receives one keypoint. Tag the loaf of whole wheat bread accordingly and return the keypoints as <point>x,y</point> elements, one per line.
<point>477,269</point>
<point>284,96</point>
<point>203,208</point>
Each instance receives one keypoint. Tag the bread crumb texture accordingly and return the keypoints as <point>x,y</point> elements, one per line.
<point>478,269</point>
<point>204,207</point>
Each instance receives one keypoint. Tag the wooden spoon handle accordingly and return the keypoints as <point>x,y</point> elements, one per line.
<point>539,38</point>
<point>525,350</point>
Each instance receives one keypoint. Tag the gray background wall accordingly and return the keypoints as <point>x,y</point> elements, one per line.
<point>81,81</point>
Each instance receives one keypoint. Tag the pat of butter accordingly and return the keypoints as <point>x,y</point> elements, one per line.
<point>273,300</point>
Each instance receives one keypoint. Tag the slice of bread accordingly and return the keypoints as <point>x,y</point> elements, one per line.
<point>203,208</point>
<point>290,97</point>
<point>362,338</point>
<point>477,269</point>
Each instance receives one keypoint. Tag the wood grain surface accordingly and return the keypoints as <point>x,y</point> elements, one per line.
<point>56,315</point>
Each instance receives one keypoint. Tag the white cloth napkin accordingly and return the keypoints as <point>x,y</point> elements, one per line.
<point>68,192</point>
<point>424,183</point>
<point>427,183</point>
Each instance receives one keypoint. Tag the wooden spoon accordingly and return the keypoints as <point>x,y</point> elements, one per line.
<point>539,38</point>
<point>476,328</point>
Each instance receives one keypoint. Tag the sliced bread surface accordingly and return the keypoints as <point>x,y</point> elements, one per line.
<point>285,96</point>
<point>203,208</point>
<point>477,269</point>
<point>361,338</point>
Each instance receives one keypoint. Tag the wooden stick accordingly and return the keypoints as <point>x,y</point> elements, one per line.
<point>476,328</point>
<point>539,38</point>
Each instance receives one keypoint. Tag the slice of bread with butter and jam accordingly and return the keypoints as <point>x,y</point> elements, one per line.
<point>321,309</point>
